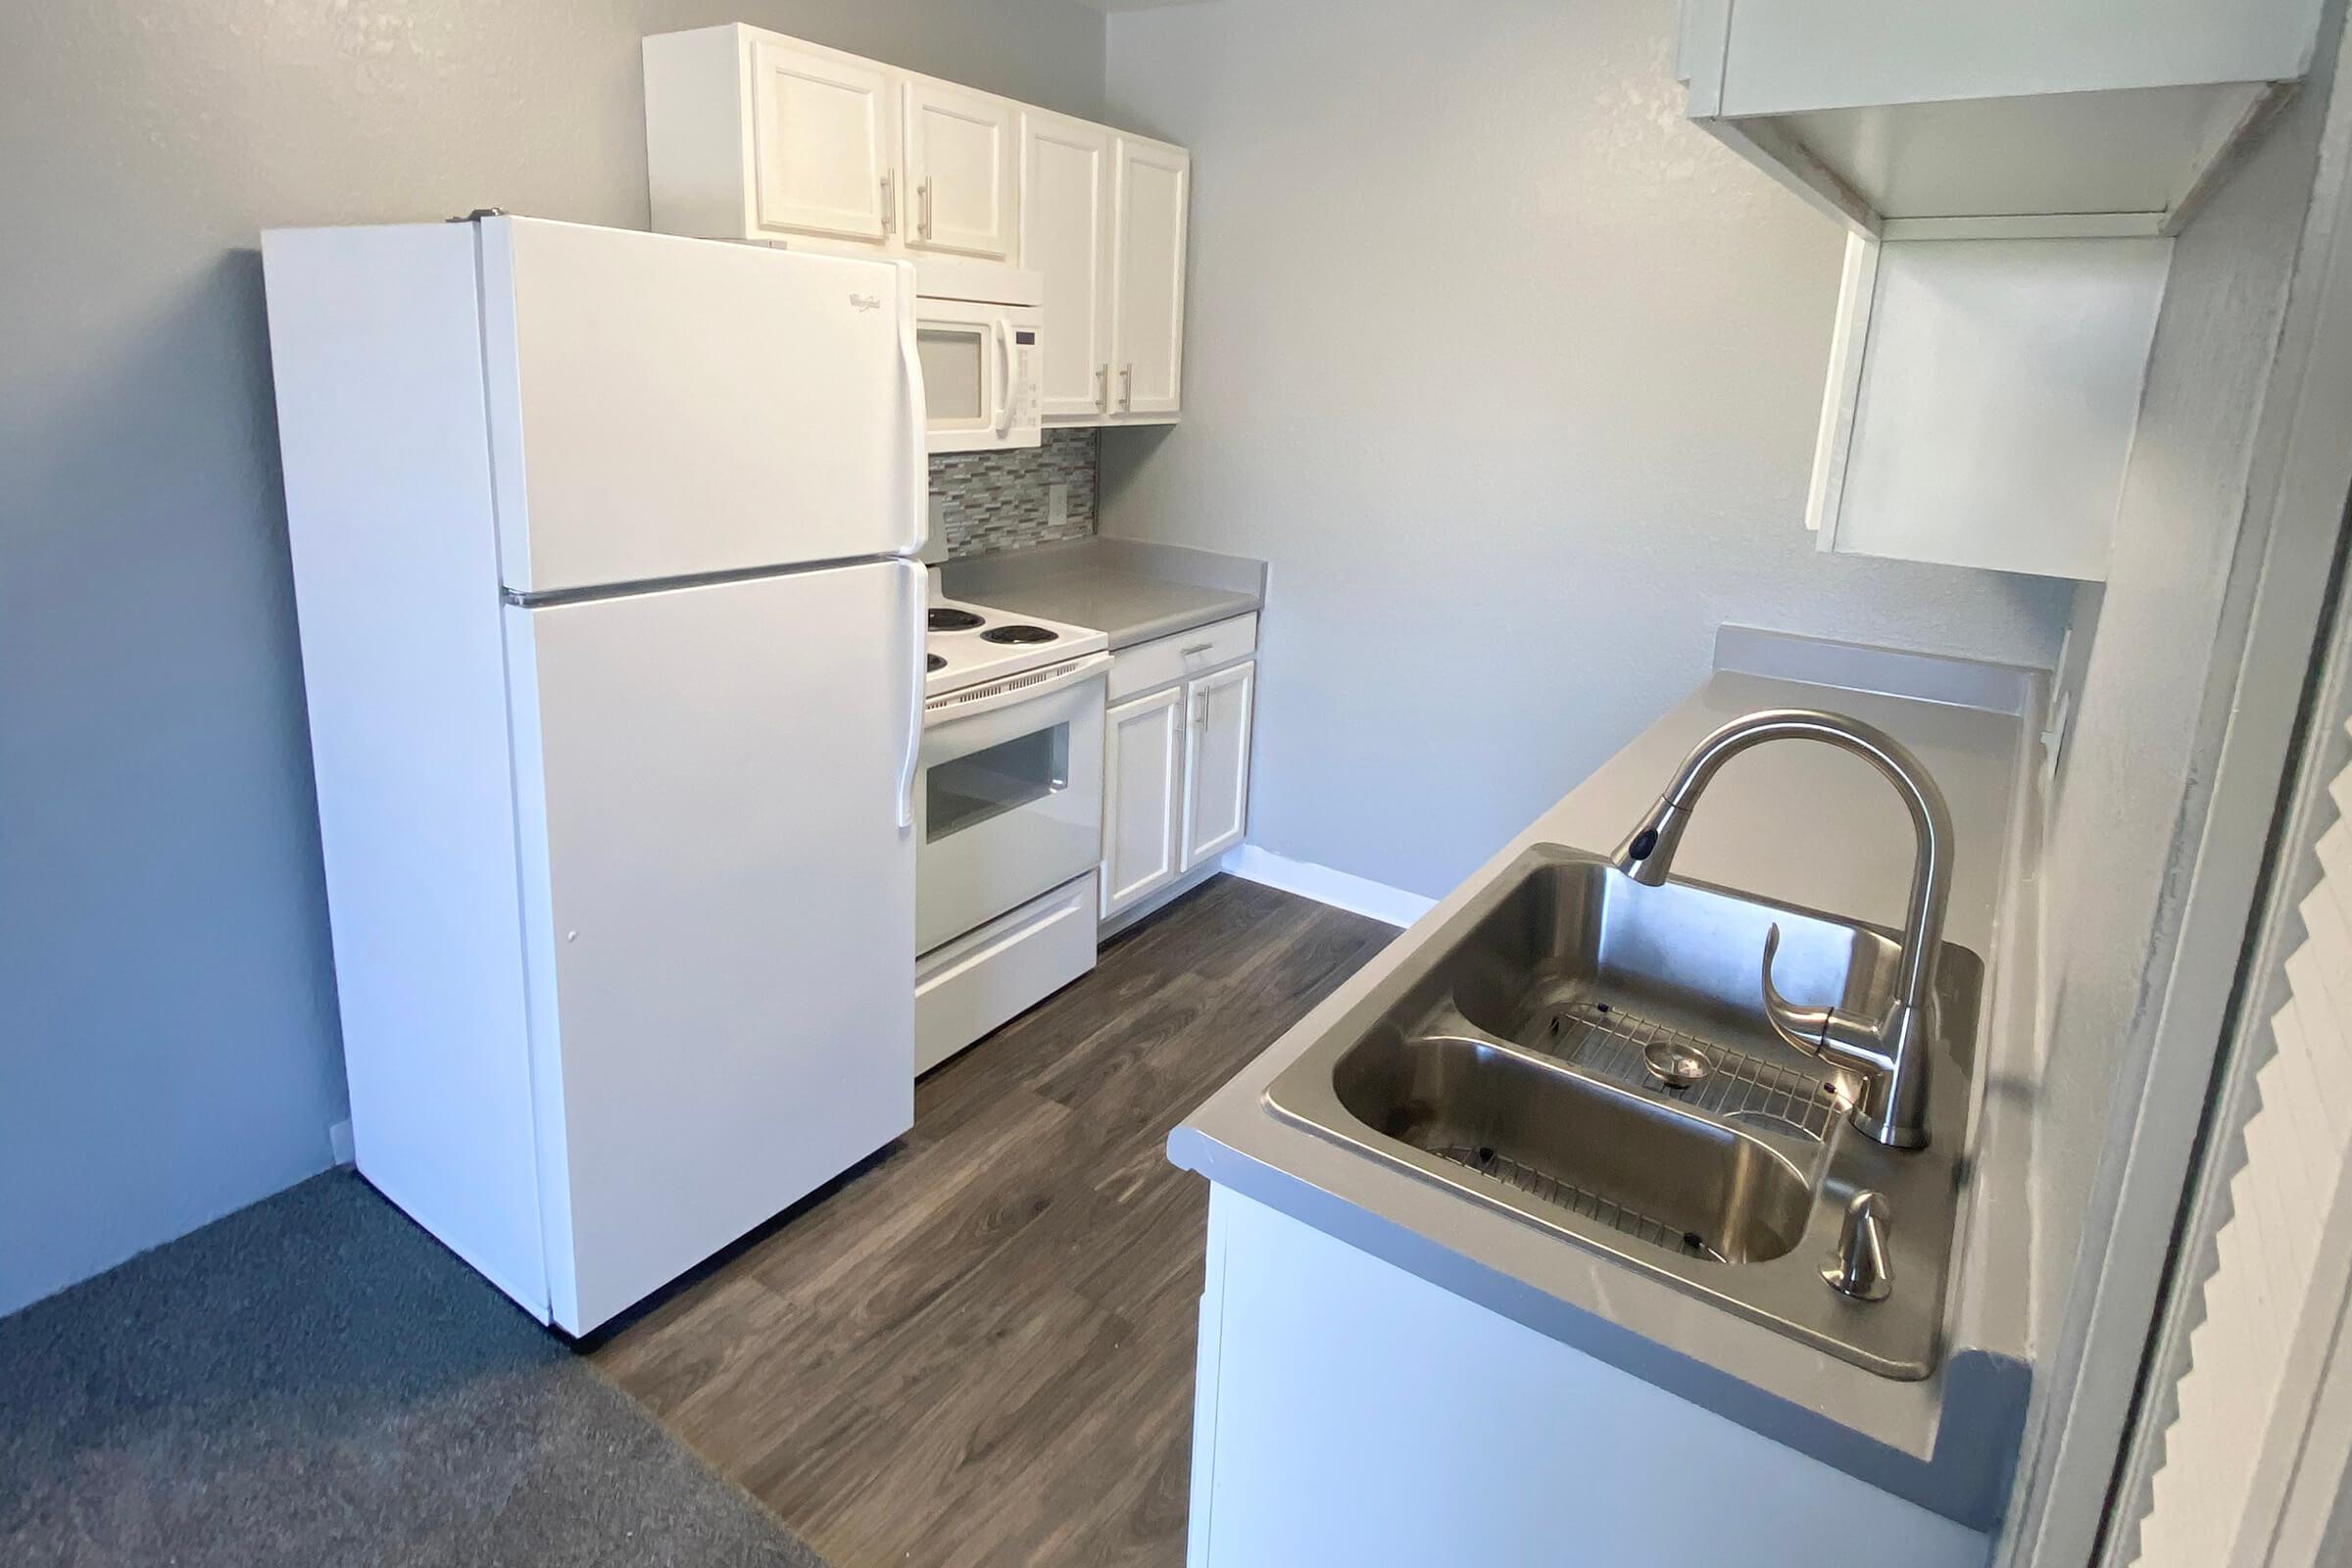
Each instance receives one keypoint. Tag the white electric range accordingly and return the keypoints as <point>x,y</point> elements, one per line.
<point>1009,819</point>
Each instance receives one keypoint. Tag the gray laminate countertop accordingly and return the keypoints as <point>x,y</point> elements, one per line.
<point>1129,590</point>
<point>1805,824</point>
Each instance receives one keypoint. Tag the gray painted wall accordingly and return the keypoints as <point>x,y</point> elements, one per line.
<point>168,1050</point>
<point>1513,376</point>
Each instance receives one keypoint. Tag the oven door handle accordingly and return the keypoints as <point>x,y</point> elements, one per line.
<point>951,710</point>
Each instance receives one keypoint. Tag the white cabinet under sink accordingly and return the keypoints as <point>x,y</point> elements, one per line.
<point>752,135</point>
<point>1507,1446</point>
<point>1176,768</point>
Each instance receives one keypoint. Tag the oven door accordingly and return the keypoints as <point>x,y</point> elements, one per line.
<point>1010,804</point>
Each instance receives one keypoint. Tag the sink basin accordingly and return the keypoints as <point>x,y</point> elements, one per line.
<point>1609,1154</point>
<point>1590,1056</point>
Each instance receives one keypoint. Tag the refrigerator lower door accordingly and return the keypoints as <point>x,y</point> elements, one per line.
<point>664,408</point>
<point>719,910</point>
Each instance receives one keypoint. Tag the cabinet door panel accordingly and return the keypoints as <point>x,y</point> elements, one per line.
<point>1147,245</point>
<point>1143,771</point>
<point>824,143</point>
<point>1216,781</point>
<point>959,170</point>
<point>1065,234</point>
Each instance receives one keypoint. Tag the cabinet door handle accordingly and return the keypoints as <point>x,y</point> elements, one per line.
<point>1103,387</point>
<point>1197,648</point>
<point>890,205</point>
<point>922,196</point>
<point>1127,387</point>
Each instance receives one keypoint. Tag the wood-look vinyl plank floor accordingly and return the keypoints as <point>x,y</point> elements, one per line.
<point>978,1348</point>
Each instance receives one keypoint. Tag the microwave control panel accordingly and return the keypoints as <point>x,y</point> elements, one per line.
<point>1027,367</point>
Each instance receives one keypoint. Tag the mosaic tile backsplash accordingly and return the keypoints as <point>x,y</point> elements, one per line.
<point>992,501</point>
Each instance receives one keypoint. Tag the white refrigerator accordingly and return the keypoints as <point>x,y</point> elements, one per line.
<point>604,550</point>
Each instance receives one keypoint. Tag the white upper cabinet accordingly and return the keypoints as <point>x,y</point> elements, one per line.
<point>1990,422</point>
<point>2010,175</point>
<point>748,135</point>
<point>755,136</point>
<point>2015,119</point>
<point>823,146</point>
<point>1065,237</point>
<point>959,170</point>
<point>1148,222</point>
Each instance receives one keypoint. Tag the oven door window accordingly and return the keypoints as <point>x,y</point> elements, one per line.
<point>956,374</point>
<point>963,792</point>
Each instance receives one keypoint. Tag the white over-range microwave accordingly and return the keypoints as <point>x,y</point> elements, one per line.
<point>977,333</point>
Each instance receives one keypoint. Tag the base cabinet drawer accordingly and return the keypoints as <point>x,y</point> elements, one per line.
<point>1164,660</point>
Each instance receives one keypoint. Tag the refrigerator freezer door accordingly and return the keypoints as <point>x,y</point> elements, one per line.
<point>664,408</point>
<point>719,910</point>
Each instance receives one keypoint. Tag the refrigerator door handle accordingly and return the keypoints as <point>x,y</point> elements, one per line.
<point>919,628</point>
<point>918,457</point>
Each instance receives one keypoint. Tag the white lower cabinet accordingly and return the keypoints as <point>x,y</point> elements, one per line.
<point>1216,766</point>
<point>1300,1454</point>
<point>1143,797</point>
<point>1175,772</point>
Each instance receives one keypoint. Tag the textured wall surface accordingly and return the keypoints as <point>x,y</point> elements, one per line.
<point>167,1044</point>
<point>1512,376</point>
<point>993,500</point>
<point>2158,694</point>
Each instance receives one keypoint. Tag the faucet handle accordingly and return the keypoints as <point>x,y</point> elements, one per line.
<point>1805,1028</point>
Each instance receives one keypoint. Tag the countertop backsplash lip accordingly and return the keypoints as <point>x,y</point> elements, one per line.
<point>993,502</point>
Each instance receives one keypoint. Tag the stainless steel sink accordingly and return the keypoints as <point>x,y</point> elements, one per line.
<point>1592,1056</point>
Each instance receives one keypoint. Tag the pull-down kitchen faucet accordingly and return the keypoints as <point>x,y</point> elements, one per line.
<point>1888,1057</point>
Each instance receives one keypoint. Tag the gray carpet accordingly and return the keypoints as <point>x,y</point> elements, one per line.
<point>314,1381</point>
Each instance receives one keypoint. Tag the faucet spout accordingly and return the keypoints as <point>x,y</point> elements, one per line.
<point>1887,1056</point>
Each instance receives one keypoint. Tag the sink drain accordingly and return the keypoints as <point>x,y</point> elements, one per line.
<point>1675,1064</point>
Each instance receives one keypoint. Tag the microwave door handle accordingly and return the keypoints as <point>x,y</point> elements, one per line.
<point>917,435</point>
<point>1003,335</point>
<point>917,581</point>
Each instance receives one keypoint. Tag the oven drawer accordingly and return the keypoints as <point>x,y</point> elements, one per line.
<point>983,978</point>
<point>1166,661</point>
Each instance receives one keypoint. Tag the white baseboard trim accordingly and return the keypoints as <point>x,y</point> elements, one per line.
<point>1340,889</point>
